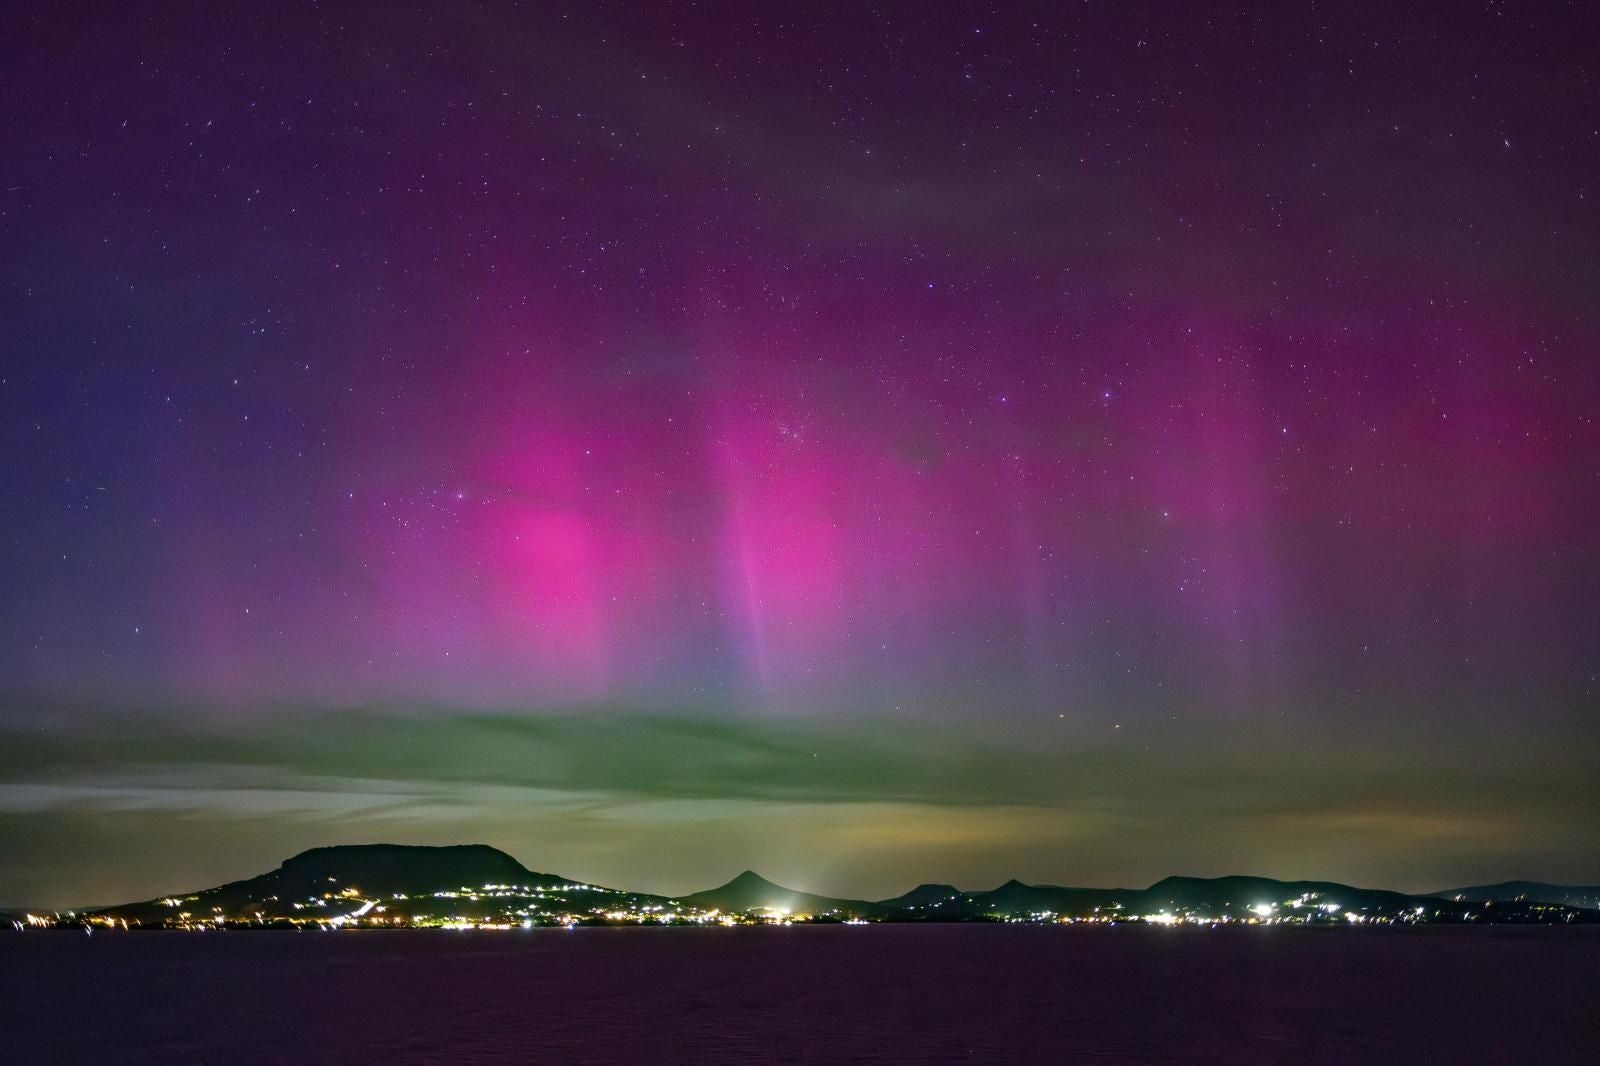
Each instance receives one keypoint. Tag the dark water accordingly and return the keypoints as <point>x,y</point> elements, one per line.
<point>879,993</point>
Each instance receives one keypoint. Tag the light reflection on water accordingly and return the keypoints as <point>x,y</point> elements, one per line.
<point>807,994</point>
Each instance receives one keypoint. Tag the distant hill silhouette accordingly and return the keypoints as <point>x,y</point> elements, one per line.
<point>369,870</point>
<point>1014,897</point>
<point>750,891</point>
<point>395,884</point>
<point>1238,897</point>
<point>1219,893</point>
<point>388,868</point>
<point>924,896</point>
<point>1507,891</point>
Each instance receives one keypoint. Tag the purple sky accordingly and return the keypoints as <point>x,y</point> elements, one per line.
<point>1093,380</point>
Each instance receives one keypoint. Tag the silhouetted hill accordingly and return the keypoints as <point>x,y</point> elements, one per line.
<point>942,903</point>
<point>388,885</point>
<point>1536,891</point>
<point>1235,894</point>
<point>389,868</point>
<point>923,896</point>
<point>1014,897</point>
<point>1237,898</point>
<point>306,883</point>
<point>750,891</point>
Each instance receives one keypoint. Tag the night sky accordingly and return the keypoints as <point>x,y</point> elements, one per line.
<point>1081,442</point>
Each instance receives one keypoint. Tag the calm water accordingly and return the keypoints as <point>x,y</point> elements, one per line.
<point>901,994</point>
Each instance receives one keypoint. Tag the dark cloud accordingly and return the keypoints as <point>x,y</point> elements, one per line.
<point>875,804</point>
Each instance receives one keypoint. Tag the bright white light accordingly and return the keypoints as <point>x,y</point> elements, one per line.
<point>1263,909</point>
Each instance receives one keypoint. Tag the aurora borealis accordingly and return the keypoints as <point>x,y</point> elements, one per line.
<point>1074,442</point>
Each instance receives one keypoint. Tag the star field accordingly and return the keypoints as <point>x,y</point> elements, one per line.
<point>1087,381</point>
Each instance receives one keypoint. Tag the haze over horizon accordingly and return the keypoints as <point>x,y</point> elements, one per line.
<point>868,447</point>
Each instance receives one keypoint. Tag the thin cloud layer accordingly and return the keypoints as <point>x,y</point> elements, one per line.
<point>877,805</point>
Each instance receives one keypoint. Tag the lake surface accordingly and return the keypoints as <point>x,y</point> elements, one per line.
<point>965,993</point>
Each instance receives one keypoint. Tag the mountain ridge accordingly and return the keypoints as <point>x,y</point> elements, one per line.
<point>1587,896</point>
<point>475,884</point>
<point>750,891</point>
<point>923,895</point>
